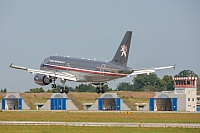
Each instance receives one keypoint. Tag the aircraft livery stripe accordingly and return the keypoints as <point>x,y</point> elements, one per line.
<point>84,70</point>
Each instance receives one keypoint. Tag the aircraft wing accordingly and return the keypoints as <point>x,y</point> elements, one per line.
<point>149,70</point>
<point>61,75</point>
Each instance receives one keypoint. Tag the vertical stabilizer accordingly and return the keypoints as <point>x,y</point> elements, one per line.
<point>121,56</point>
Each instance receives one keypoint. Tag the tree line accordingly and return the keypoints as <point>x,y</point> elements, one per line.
<point>151,82</point>
<point>3,90</point>
<point>145,82</point>
<point>79,88</point>
<point>142,82</point>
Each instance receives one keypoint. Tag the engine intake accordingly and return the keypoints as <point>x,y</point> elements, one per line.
<point>42,80</point>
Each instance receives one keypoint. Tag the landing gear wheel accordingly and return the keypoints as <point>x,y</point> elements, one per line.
<point>98,90</point>
<point>66,90</point>
<point>53,86</point>
<point>61,90</point>
<point>102,90</point>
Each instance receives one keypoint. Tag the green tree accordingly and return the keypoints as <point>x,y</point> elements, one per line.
<point>71,89</point>
<point>57,89</point>
<point>168,83</point>
<point>4,90</point>
<point>90,88</point>
<point>36,90</point>
<point>186,73</point>
<point>149,88</point>
<point>53,90</point>
<point>125,86</point>
<point>85,88</point>
<point>142,81</point>
<point>151,82</point>
<point>107,89</point>
<point>49,91</point>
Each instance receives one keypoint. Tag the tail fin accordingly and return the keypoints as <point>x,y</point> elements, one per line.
<point>121,56</point>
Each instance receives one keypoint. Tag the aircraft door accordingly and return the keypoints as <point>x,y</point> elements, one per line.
<point>45,62</point>
<point>102,68</point>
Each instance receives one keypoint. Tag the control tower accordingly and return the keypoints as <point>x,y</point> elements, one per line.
<point>186,86</point>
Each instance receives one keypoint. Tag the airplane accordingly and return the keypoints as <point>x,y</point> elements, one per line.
<point>90,71</point>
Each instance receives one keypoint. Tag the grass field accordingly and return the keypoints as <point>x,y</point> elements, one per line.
<point>64,116</point>
<point>72,129</point>
<point>79,98</point>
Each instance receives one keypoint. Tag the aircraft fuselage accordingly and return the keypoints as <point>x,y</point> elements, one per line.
<point>85,70</point>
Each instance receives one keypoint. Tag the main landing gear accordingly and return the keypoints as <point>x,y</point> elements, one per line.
<point>100,89</point>
<point>62,89</point>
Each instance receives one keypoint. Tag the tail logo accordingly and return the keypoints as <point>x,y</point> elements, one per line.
<point>123,50</point>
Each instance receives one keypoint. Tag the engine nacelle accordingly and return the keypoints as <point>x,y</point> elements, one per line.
<point>126,71</point>
<point>42,80</point>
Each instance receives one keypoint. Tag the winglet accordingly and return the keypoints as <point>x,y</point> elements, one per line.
<point>174,66</point>
<point>11,65</point>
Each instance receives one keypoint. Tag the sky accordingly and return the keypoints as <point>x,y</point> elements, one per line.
<point>164,33</point>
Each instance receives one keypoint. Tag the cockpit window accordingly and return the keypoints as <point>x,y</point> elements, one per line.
<point>46,60</point>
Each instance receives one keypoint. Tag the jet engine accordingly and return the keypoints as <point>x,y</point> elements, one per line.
<point>42,80</point>
<point>126,71</point>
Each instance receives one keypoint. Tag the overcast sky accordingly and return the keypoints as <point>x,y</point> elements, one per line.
<point>165,32</point>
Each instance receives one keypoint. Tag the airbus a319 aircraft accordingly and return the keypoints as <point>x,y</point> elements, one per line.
<point>91,71</point>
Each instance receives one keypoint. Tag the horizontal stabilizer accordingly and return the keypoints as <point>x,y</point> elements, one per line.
<point>149,70</point>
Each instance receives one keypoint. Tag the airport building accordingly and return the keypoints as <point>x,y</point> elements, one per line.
<point>183,98</point>
<point>59,101</point>
<point>109,101</point>
<point>198,102</point>
<point>86,106</point>
<point>13,101</point>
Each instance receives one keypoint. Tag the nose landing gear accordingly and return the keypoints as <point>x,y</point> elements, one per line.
<point>54,84</point>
